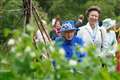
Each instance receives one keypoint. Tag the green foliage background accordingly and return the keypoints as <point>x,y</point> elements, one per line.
<point>20,60</point>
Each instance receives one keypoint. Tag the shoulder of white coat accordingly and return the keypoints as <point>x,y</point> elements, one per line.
<point>113,33</point>
<point>81,29</point>
<point>103,29</point>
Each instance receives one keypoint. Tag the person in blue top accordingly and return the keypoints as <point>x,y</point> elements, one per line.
<point>69,42</point>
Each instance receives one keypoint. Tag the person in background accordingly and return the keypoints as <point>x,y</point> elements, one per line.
<point>117,60</point>
<point>79,21</point>
<point>40,34</point>
<point>117,31</point>
<point>111,41</point>
<point>109,25</point>
<point>69,42</point>
<point>54,19</point>
<point>92,34</point>
<point>56,29</point>
<point>118,39</point>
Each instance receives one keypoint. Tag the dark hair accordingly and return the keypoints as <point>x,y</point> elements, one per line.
<point>93,8</point>
<point>57,20</point>
<point>81,16</point>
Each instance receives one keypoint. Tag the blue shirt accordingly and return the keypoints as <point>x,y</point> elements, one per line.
<point>70,47</point>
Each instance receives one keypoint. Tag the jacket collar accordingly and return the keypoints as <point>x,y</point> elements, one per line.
<point>88,27</point>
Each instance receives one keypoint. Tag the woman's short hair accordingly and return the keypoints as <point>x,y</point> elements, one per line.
<point>93,8</point>
<point>57,20</point>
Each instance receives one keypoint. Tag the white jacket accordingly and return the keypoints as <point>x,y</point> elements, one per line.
<point>112,43</point>
<point>93,37</point>
<point>39,37</point>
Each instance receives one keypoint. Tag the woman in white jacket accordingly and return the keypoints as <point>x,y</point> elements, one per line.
<point>111,36</point>
<point>92,34</point>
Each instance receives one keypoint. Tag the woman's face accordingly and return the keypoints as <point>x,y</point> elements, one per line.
<point>57,25</point>
<point>93,17</point>
<point>69,34</point>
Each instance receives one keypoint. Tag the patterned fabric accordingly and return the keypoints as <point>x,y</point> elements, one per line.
<point>68,25</point>
<point>70,47</point>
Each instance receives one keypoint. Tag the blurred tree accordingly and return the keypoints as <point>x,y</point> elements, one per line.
<point>70,9</point>
<point>10,12</point>
<point>23,62</point>
<point>117,8</point>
